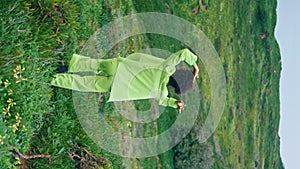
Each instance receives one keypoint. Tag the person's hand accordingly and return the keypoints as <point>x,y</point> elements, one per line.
<point>196,71</point>
<point>180,105</point>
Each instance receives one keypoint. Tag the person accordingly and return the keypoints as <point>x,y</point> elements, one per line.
<point>138,76</point>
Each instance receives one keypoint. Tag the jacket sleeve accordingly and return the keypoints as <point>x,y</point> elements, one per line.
<point>164,100</point>
<point>169,101</point>
<point>183,55</point>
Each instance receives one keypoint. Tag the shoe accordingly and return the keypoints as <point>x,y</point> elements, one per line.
<point>62,69</point>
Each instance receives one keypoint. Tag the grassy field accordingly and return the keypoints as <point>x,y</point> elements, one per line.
<point>38,119</point>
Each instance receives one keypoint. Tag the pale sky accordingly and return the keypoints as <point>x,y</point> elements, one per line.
<point>287,34</point>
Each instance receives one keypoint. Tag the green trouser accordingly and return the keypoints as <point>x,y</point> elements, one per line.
<point>92,83</point>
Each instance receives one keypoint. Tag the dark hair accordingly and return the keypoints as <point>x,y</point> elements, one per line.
<point>182,81</point>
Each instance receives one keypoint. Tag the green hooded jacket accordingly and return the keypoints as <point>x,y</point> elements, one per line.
<point>138,76</point>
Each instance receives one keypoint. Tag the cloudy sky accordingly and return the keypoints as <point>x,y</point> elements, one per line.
<point>287,34</point>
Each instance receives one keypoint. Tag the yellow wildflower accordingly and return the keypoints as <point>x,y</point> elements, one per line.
<point>18,119</point>
<point>11,102</point>
<point>19,69</point>
<point>6,110</point>
<point>6,83</point>
<point>18,73</point>
<point>1,139</point>
<point>19,79</point>
<point>18,161</point>
<point>18,116</point>
<point>16,69</point>
<point>14,127</point>
<point>24,128</point>
<point>10,92</point>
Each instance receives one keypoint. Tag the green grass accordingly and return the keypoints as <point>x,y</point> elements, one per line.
<point>40,35</point>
